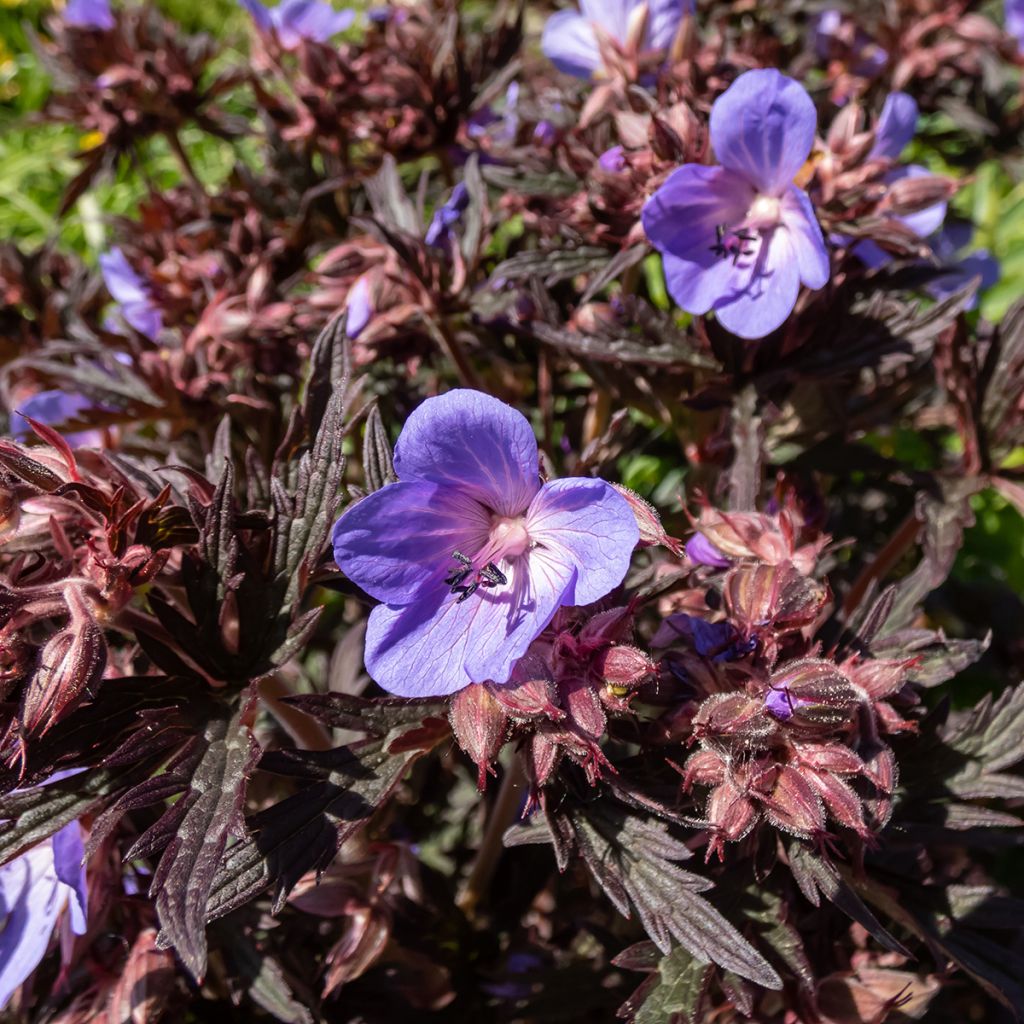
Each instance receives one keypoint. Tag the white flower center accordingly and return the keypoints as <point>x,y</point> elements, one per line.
<point>509,538</point>
<point>765,212</point>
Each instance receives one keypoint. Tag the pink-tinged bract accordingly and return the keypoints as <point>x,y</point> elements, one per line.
<point>741,238</point>
<point>469,482</point>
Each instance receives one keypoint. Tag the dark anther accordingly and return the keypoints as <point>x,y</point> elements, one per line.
<point>734,246</point>
<point>489,576</point>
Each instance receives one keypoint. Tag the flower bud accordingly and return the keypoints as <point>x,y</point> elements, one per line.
<point>912,194</point>
<point>812,693</point>
<point>647,518</point>
<point>530,693</point>
<point>730,812</point>
<point>793,806</point>
<point>773,596</point>
<point>479,724</point>
<point>732,714</point>
<point>542,757</point>
<point>70,666</point>
<point>581,701</point>
<point>622,667</point>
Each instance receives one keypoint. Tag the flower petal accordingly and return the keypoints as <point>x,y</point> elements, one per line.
<point>589,525</point>
<point>123,283</point>
<point>394,542</point>
<point>896,126</point>
<point>763,127</point>
<point>30,900</point>
<point>769,293</point>
<point>663,25</point>
<point>259,14</point>
<point>55,409</point>
<point>439,645</point>
<point>69,865</point>
<point>922,222</point>
<point>473,443</point>
<point>94,14</point>
<point>570,44</point>
<point>805,237</point>
<point>611,15</point>
<point>359,304</point>
<point>682,217</point>
<point>697,286</point>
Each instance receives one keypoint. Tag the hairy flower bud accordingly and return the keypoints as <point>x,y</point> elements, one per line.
<point>812,693</point>
<point>793,805</point>
<point>479,724</point>
<point>647,518</point>
<point>622,667</point>
<point>772,596</point>
<point>70,667</point>
<point>530,693</point>
<point>912,194</point>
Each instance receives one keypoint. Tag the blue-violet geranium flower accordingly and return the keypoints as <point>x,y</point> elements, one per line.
<point>89,14</point>
<point>35,888</point>
<point>297,21</point>
<point>1013,11</point>
<point>740,238</point>
<point>131,293</point>
<point>55,408</point>
<point>577,42</point>
<point>470,554</point>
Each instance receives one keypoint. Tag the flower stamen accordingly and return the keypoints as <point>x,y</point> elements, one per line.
<point>489,576</point>
<point>731,242</point>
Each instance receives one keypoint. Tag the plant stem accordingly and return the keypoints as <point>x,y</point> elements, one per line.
<point>503,814</point>
<point>456,353</point>
<point>884,562</point>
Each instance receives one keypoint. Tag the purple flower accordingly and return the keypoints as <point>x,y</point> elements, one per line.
<point>469,553</point>
<point>447,216</point>
<point>835,37</point>
<point>34,890</point>
<point>95,14</point>
<point>360,307</point>
<point>55,408</point>
<point>896,126</point>
<point>740,238</point>
<point>131,293</point>
<point>893,133</point>
<point>700,550</point>
<point>948,244</point>
<point>571,39</point>
<point>296,21</point>
<point>780,703</point>
<point>545,133</point>
<point>612,160</point>
<point>1014,17</point>
<point>503,126</point>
